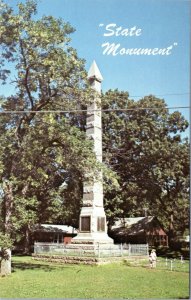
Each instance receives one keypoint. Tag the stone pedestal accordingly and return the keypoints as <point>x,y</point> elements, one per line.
<point>93,228</point>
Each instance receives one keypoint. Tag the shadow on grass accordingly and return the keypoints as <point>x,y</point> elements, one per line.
<point>35,266</point>
<point>31,266</point>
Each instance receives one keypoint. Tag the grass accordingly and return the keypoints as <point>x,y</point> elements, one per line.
<point>34,279</point>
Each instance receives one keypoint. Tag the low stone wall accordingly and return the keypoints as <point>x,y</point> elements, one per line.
<point>76,259</point>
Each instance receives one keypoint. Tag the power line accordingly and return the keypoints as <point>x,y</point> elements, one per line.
<point>161,95</point>
<point>91,110</point>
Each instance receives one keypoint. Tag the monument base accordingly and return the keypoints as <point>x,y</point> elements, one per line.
<point>92,238</point>
<point>93,227</point>
<point>93,233</point>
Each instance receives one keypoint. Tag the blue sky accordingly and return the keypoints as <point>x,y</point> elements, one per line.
<point>162,23</point>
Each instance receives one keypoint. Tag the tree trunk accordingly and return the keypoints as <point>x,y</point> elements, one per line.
<point>171,227</point>
<point>6,263</point>
<point>8,206</point>
<point>171,223</point>
<point>27,241</point>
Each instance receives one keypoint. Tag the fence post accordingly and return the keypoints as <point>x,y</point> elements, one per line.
<point>121,249</point>
<point>147,249</point>
<point>171,264</point>
<point>166,261</point>
<point>129,249</point>
<point>98,250</point>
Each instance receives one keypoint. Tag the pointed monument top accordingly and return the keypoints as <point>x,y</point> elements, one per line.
<point>94,72</point>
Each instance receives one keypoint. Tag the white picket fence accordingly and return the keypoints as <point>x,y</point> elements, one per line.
<point>173,264</point>
<point>97,250</point>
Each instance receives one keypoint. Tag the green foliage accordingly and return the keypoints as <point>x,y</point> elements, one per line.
<point>144,147</point>
<point>41,151</point>
<point>5,241</point>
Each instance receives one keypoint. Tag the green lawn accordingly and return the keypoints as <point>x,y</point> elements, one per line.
<point>32,279</point>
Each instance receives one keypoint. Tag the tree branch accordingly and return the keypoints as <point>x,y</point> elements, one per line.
<point>27,68</point>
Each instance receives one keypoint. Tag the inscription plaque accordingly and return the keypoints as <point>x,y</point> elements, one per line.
<point>85,224</point>
<point>101,224</point>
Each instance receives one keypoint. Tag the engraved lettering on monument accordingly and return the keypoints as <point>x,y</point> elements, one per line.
<point>85,224</point>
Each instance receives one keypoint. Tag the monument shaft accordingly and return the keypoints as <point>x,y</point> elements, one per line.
<point>93,226</point>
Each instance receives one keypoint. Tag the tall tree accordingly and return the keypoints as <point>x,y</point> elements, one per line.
<point>40,150</point>
<point>143,144</point>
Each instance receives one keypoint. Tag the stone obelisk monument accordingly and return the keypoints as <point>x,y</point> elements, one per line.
<point>92,225</point>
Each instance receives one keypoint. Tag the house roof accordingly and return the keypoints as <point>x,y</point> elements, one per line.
<point>130,221</point>
<point>55,228</point>
<point>137,226</point>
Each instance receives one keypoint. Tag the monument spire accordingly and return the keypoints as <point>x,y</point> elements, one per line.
<point>95,78</point>
<point>94,73</point>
